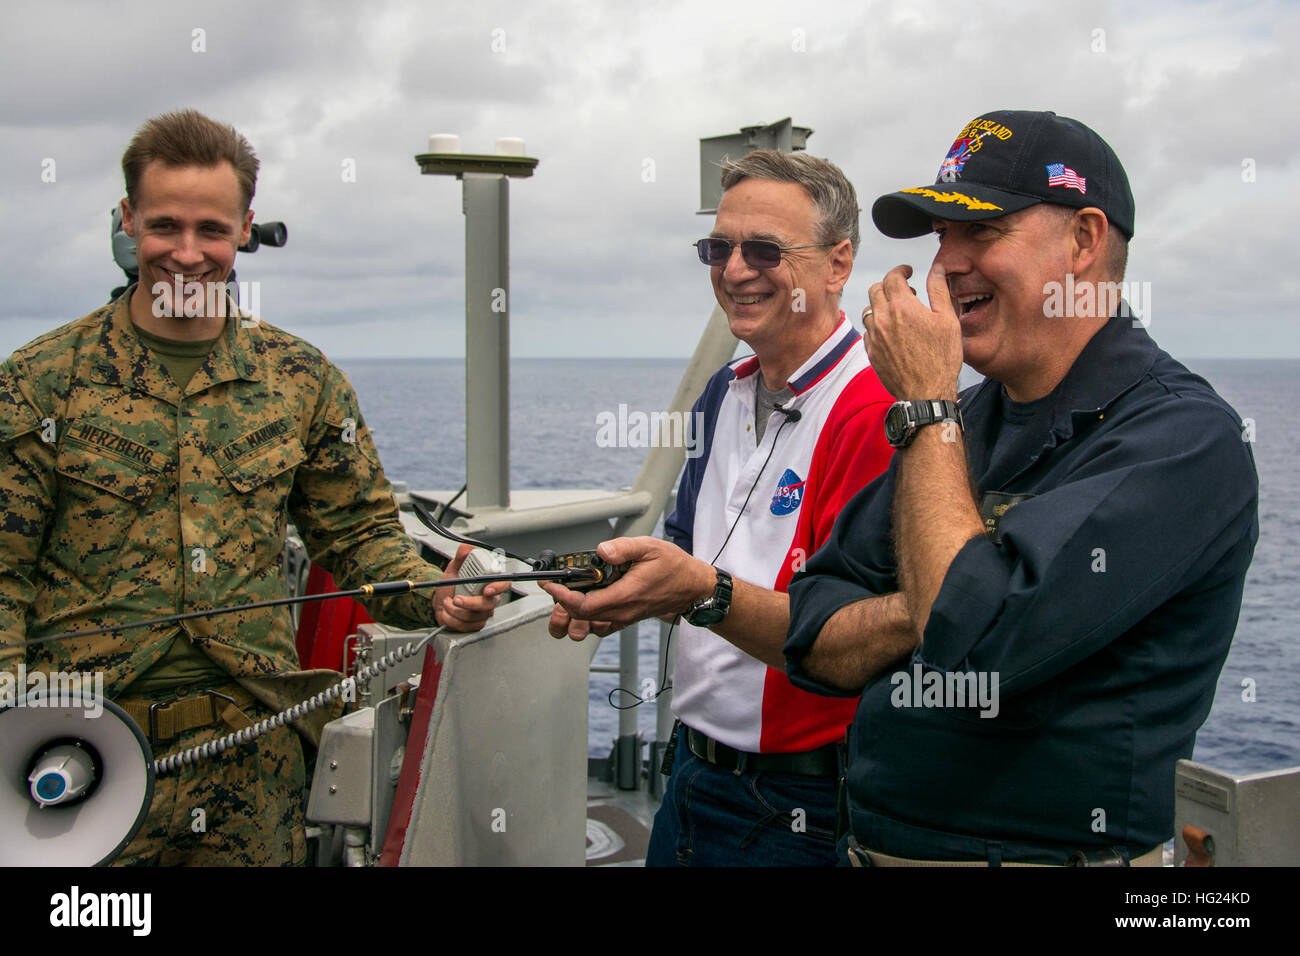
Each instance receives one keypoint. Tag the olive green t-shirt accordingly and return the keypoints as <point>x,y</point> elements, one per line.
<point>181,359</point>
<point>183,665</point>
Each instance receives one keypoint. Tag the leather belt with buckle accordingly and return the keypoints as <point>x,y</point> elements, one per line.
<point>823,762</point>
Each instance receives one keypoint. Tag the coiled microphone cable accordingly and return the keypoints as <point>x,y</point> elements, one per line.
<point>214,748</point>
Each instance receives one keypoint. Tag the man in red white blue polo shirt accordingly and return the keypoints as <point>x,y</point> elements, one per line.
<point>790,433</point>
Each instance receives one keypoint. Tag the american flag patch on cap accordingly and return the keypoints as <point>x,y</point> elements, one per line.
<point>1058,174</point>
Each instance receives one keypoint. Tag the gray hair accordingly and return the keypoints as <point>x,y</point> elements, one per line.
<point>1116,260</point>
<point>832,194</point>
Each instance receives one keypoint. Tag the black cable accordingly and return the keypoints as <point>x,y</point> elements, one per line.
<point>789,417</point>
<point>442,512</point>
<point>432,523</point>
<point>664,686</point>
<point>381,589</point>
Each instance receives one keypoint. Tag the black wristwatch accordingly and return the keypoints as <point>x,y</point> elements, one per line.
<point>714,608</point>
<point>904,418</point>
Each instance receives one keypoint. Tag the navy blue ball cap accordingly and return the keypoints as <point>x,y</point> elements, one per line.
<point>1009,160</point>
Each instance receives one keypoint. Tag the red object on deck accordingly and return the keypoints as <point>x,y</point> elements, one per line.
<point>324,625</point>
<point>416,743</point>
<point>1200,847</point>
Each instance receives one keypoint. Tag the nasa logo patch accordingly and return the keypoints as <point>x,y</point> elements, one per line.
<point>789,494</point>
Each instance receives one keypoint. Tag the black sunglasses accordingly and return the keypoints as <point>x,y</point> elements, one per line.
<point>757,253</point>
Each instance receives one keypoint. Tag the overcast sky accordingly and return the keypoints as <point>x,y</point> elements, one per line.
<point>1188,94</point>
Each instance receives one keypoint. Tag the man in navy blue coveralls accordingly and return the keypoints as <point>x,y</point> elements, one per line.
<point>1070,549</point>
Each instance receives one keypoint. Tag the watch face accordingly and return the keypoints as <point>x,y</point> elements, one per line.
<point>705,617</point>
<point>895,424</point>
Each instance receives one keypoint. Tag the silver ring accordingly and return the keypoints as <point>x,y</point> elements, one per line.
<point>867,311</point>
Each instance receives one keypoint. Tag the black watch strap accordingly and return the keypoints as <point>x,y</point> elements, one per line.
<point>714,608</point>
<point>906,418</point>
<point>933,410</point>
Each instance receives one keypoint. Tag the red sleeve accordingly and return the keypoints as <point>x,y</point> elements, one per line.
<point>851,451</point>
<point>855,455</point>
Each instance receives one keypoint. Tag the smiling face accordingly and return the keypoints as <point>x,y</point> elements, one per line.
<point>186,221</point>
<point>763,306</point>
<point>996,272</point>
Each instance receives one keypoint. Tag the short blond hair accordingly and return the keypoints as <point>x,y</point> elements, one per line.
<point>188,138</point>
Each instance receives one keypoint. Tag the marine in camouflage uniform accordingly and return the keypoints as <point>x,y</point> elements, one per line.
<point>128,498</point>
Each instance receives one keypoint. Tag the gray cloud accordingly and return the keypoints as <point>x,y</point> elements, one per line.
<point>1184,92</point>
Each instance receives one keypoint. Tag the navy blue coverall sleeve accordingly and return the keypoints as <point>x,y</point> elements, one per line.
<point>1159,499</point>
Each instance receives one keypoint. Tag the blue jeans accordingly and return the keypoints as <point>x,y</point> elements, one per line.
<point>711,816</point>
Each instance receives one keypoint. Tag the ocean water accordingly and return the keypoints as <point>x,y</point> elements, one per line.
<point>416,409</point>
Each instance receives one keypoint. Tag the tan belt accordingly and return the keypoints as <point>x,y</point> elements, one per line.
<point>163,721</point>
<point>1150,858</point>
